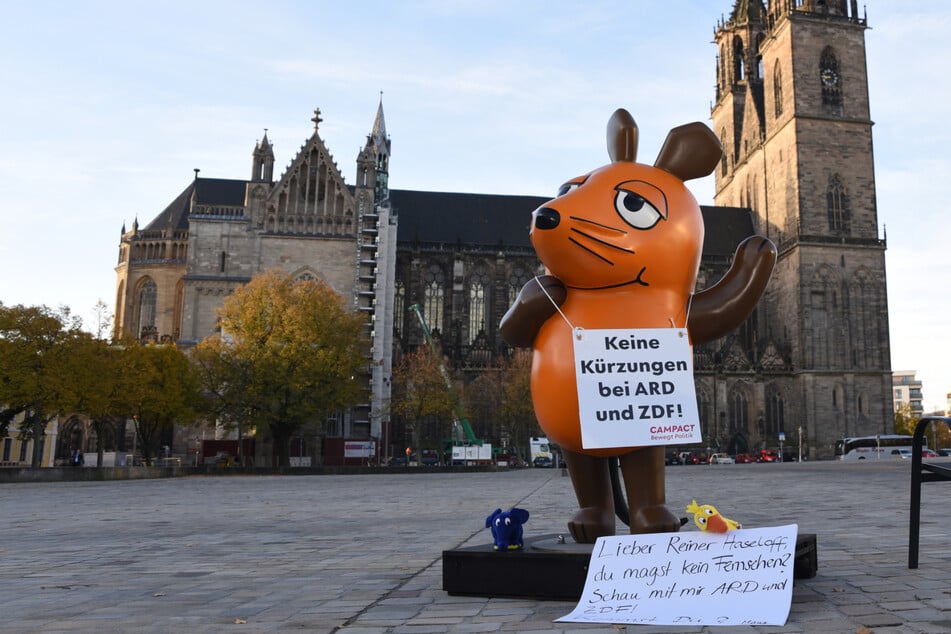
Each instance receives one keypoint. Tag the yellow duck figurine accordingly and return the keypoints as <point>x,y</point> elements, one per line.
<point>708,518</point>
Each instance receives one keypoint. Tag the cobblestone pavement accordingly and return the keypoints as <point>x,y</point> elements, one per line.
<point>362,554</point>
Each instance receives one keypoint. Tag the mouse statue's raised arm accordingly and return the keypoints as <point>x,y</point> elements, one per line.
<point>621,246</point>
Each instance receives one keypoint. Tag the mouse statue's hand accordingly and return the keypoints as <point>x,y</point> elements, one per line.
<point>538,300</point>
<point>721,309</point>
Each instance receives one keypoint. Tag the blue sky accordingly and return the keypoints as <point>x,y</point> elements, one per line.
<point>109,106</point>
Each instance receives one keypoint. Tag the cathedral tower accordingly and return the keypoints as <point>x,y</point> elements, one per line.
<point>792,112</point>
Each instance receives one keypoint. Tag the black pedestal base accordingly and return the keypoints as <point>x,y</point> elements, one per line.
<point>548,569</point>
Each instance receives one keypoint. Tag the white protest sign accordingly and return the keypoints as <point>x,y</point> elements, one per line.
<point>635,387</point>
<point>741,577</point>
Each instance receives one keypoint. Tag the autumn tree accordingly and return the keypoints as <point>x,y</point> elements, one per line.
<point>97,386</point>
<point>938,434</point>
<point>483,397</point>
<point>38,349</point>
<point>289,353</point>
<point>905,419</point>
<point>516,412</point>
<point>225,378</point>
<point>160,389</point>
<point>421,393</point>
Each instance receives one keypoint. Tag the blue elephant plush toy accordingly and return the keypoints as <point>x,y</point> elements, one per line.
<point>507,528</point>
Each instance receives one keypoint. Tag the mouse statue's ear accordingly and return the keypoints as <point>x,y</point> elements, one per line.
<point>690,151</point>
<point>622,137</point>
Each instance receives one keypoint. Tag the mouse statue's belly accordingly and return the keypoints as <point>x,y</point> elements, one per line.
<point>554,385</point>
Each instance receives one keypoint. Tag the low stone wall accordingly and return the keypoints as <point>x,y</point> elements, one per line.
<point>82,474</point>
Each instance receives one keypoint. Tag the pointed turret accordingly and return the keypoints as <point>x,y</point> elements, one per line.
<point>262,160</point>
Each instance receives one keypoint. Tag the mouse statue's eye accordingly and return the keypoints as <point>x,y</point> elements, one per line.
<point>635,209</point>
<point>568,187</point>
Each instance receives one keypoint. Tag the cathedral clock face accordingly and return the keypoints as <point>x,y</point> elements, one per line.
<point>829,77</point>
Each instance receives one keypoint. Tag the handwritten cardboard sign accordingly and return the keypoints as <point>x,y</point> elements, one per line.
<point>635,387</point>
<point>742,577</point>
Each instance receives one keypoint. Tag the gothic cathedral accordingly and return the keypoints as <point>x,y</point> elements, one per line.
<point>792,113</point>
<point>175,272</point>
<point>791,110</point>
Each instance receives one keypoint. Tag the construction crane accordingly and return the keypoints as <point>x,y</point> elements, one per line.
<point>460,425</point>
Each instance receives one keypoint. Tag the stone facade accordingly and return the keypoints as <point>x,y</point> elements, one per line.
<point>173,274</point>
<point>792,113</point>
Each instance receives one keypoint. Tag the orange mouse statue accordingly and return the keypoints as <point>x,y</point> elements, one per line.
<point>621,248</point>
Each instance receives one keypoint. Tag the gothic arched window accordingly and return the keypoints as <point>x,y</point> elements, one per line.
<point>517,280</point>
<point>760,74</point>
<point>778,89</point>
<point>775,414</point>
<point>477,302</point>
<point>829,78</point>
<point>739,413</point>
<point>738,69</point>
<point>837,202</point>
<point>704,409</point>
<point>723,160</point>
<point>433,295</point>
<point>120,308</point>
<point>148,294</point>
<point>399,307</point>
<point>177,309</point>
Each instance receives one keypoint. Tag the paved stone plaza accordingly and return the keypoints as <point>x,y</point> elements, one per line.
<point>363,553</point>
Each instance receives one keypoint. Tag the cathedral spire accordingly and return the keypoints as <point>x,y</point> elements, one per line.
<point>378,133</point>
<point>375,158</point>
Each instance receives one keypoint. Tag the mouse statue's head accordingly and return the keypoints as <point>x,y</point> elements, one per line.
<point>628,223</point>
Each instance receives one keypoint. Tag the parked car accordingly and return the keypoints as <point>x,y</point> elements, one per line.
<point>744,458</point>
<point>673,458</point>
<point>721,458</point>
<point>543,462</point>
<point>430,458</point>
<point>687,457</point>
<point>768,455</point>
<point>944,452</point>
<point>906,454</point>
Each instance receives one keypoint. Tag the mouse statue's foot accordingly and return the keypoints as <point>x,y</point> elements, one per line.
<point>654,519</point>
<point>590,523</point>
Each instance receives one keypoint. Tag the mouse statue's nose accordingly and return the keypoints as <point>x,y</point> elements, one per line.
<point>546,218</point>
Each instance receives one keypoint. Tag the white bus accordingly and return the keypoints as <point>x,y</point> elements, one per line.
<point>882,447</point>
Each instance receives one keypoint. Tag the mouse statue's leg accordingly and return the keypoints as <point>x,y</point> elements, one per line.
<point>590,478</point>
<point>643,472</point>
